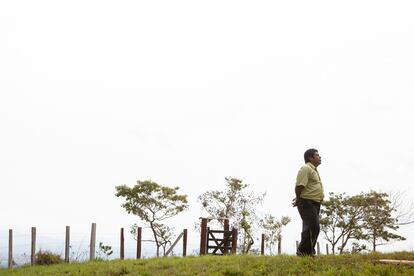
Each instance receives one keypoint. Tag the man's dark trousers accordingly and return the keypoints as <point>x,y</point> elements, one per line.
<point>309,212</point>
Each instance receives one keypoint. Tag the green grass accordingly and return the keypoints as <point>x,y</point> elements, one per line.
<point>231,266</point>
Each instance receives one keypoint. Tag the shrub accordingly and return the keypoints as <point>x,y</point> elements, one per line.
<point>47,258</point>
<point>104,250</point>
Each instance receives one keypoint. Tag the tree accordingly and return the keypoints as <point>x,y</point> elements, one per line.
<point>366,216</point>
<point>341,220</point>
<point>351,225</point>
<point>378,219</point>
<point>152,203</point>
<point>236,204</point>
<point>332,213</point>
<point>223,204</point>
<point>164,234</point>
<point>273,231</point>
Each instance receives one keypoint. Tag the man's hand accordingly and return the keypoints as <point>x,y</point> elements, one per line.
<point>298,191</point>
<point>295,202</point>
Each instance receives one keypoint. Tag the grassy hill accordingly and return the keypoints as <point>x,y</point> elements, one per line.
<point>366,264</point>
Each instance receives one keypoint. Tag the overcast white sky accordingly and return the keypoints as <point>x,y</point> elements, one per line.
<point>95,94</point>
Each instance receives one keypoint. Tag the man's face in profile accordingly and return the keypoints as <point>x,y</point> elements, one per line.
<point>316,159</point>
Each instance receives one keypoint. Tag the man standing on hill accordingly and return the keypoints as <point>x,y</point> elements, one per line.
<point>309,195</point>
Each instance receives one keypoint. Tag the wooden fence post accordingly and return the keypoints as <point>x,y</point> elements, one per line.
<point>234,241</point>
<point>318,249</point>
<point>139,237</point>
<point>226,224</point>
<point>279,246</point>
<point>262,245</point>
<point>33,249</point>
<point>10,261</point>
<point>93,242</point>
<point>297,246</point>
<point>226,242</point>
<point>327,249</point>
<point>203,237</point>
<point>121,251</point>
<point>185,243</point>
<point>67,244</point>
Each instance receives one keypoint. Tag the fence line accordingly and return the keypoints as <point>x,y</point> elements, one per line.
<point>34,244</point>
<point>92,245</point>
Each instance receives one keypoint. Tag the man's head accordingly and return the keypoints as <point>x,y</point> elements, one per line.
<point>312,155</point>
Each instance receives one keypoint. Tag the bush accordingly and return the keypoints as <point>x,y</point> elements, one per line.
<point>47,258</point>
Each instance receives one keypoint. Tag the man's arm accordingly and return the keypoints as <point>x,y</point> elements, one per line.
<point>298,191</point>
<point>301,181</point>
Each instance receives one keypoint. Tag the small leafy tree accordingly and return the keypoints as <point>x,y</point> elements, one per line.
<point>273,231</point>
<point>165,234</point>
<point>152,203</point>
<point>246,226</point>
<point>351,226</point>
<point>105,251</point>
<point>236,204</point>
<point>341,220</point>
<point>366,216</point>
<point>332,213</point>
<point>378,219</point>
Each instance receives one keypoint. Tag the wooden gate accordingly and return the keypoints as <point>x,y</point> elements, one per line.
<point>221,242</point>
<point>217,242</point>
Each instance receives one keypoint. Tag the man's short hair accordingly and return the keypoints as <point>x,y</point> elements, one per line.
<point>309,153</point>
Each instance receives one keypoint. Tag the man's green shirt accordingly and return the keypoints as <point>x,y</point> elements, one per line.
<point>309,177</point>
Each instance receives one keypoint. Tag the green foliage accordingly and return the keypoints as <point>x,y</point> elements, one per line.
<point>236,204</point>
<point>224,204</point>
<point>47,258</point>
<point>105,251</point>
<point>152,203</point>
<point>357,248</point>
<point>366,216</point>
<point>163,232</point>
<point>341,218</point>
<point>378,219</point>
<point>273,230</point>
